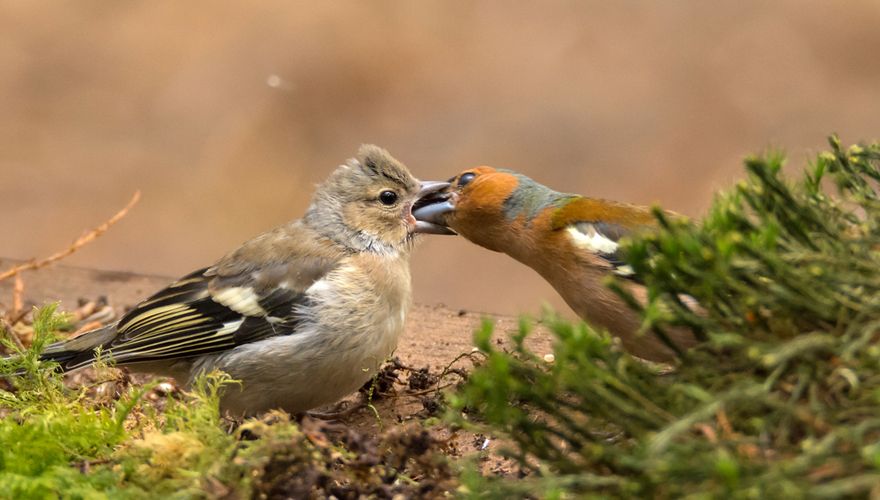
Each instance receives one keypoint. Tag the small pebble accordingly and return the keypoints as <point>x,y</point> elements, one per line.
<point>164,388</point>
<point>549,358</point>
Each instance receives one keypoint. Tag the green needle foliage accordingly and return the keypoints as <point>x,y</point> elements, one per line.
<point>781,400</point>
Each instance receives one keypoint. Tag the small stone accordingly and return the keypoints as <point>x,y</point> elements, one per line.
<point>165,388</point>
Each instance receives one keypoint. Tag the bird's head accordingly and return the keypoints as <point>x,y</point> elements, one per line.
<point>366,203</point>
<point>490,207</point>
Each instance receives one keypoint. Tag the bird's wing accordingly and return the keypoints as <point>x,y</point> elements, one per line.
<point>601,239</point>
<point>596,226</point>
<point>234,302</point>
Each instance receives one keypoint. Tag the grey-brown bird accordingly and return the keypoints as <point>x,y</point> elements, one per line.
<point>570,240</point>
<point>301,315</point>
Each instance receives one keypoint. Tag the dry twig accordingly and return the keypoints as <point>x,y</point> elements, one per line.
<point>76,245</point>
<point>7,327</point>
<point>724,423</point>
<point>17,293</point>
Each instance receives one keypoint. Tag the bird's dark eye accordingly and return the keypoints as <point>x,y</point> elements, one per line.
<point>388,197</point>
<point>465,179</point>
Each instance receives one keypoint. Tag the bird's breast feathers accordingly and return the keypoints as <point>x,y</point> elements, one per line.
<point>350,323</point>
<point>355,312</point>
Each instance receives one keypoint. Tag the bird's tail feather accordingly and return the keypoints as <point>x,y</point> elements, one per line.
<point>80,350</point>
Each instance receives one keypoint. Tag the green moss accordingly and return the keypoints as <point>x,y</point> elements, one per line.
<point>57,442</point>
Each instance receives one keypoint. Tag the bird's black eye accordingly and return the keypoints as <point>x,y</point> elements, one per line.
<point>465,179</point>
<point>388,197</point>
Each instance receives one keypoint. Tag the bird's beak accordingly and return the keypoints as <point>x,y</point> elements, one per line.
<point>431,207</point>
<point>428,220</point>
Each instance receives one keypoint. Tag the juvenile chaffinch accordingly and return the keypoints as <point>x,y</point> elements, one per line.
<point>570,240</point>
<point>301,315</point>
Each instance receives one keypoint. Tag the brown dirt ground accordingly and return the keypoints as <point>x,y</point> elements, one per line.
<point>436,341</point>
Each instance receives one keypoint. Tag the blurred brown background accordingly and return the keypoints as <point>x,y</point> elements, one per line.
<point>225,114</point>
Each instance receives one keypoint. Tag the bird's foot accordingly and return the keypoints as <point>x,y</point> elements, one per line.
<point>341,409</point>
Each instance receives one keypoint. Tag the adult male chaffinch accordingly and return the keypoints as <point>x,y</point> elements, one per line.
<point>301,315</point>
<point>570,240</point>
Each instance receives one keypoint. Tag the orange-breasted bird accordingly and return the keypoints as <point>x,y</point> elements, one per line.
<point>570,240</point>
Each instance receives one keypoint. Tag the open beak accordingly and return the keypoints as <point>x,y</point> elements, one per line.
<point>431,207</point>
<point>428,218</point>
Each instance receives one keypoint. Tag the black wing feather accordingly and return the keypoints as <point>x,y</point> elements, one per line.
<point>185,320</point>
